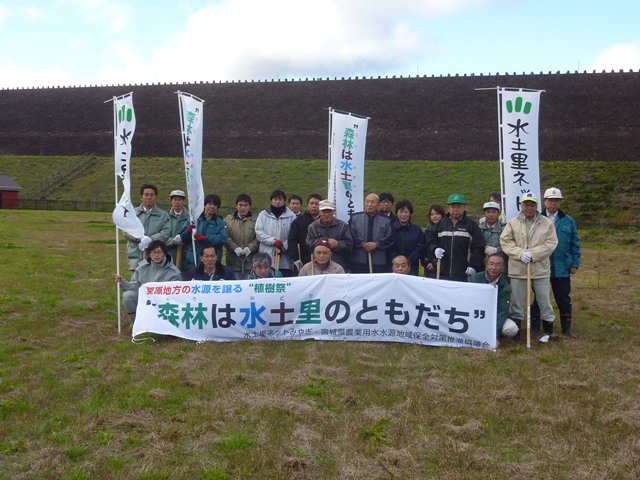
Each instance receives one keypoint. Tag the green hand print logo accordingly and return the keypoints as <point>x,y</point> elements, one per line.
<point>125,113</point>
<point>518,107</point>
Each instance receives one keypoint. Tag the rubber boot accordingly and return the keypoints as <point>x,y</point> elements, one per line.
<point>516,338</point>
<point>565,324</point>
<point>547,327</point>
<point>535,324</point>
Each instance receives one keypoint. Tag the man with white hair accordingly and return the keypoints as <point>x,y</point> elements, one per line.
<point>565,260</point>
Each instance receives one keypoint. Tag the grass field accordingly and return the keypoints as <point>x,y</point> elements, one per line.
<point>79,401</point>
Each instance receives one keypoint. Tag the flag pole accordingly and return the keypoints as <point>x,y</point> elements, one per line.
<point>115,177</point>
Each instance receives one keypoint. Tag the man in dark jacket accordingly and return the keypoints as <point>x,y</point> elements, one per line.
<point>372,236</point>
<point>298,250</point>
<point>458,242</point>
<point>209,268</point>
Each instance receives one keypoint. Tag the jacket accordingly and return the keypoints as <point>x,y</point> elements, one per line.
<point>541,241</point>
<point>312,268</point>
<point>148,271</point>
<point>298,236</point>
<point>241,232</point>
<point>270,228</point>
<point>406,241</point>
<point>492,235</point>
<point>567,253</point>
<point>176,222</point>
<point>463,246</point>
<point>382,235</point>
<point>504,297</point>
<point>214,228</point>
<point>157,226</point>
<point>337,230</point>
<point>219,273</point>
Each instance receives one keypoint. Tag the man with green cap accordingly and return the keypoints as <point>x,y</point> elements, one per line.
<point>457,241</point>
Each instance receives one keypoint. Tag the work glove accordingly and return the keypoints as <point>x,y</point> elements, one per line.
<point>525,257</point>
<point>439,252</point>
<point>488,251</point>
<point>470,271</point>
<point>191,228</point>
<point>200,237</point>
<point>246,251</point>
<point>177,240</point>
<point>237,251</point>
<point>298,264</point>
<point>278,244</point>
<point>144,243</point>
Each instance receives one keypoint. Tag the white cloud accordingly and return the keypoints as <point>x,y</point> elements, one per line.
<point>254,39</point>
<point>13,76</point>
<point>619,56</point>
<point>34,13</point>
<point>114,14</point>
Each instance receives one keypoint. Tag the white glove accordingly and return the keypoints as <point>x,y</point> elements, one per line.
<point>526,256</point>
<point>237,251</point>
<point>298,264</point>
<point>470,271</point>
<point>439,252</point>
<point>177,240</point>
<point>246,251</point>
<point>488,251</point>
<point>144,243</point>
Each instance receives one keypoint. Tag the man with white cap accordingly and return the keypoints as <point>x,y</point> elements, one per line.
<point>178,215</point>
<point>565,260</point>
<point>530,238</point>
<point>491,228</point>
<point>334,230</point>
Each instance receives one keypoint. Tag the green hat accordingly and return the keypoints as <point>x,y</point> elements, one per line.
<point>456,198</point>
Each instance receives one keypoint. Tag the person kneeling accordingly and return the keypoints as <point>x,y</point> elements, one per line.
<point>209,269</point>
<point>321,263</point>
<point>157,267</point>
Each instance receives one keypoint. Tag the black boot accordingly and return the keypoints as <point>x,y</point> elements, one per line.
<point>547,327</point>
<point>535,324</point>
<point>516,338</point>
<point>565,324</point>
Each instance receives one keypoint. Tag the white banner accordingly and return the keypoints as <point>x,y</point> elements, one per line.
<point>191,117</point>
<point>518,113</point>
<point>381,307</point>
<point>347,142</point>
<point>125,126</point>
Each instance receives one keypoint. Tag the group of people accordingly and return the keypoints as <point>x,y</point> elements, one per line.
<point>284,241</point>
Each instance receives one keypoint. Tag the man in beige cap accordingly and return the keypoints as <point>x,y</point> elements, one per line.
<point>335,231</point>
<point>530,238</point>
<point>564,261</point>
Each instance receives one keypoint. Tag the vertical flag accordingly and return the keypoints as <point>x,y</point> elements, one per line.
<point>518,112</point>
<point>124,120</point>
<point>191,116</point>
<point>347,142</point>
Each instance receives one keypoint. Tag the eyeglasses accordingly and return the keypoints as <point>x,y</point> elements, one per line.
<point>156,252</point>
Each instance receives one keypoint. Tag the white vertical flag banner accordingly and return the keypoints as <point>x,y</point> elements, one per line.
<point>347,142</point>
<point>518,112</point>
<point>191,117</point>
<point>125,126</point>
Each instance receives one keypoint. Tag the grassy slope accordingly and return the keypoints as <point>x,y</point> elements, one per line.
<point>596,192</point>
<point>78,401</point>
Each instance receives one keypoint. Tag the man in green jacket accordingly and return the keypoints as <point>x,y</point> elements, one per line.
<point>156,223</point>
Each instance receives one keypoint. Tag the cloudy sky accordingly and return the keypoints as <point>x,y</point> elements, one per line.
<point>109,42</point>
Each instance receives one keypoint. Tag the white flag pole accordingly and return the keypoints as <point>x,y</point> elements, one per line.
<point>329,156</point>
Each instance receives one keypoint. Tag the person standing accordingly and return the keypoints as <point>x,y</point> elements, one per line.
<point>565,259</point>
<point>530,238</point>
<point>178,215</point>
<point>156,223</point>
<point>298,251</point>
<point>335,231</point>
<point>458,242</point>
<point>406,236</point>
<point>210,229</point>
<point>429,262</point>
<point>491,228</point>
<point>272,231</point>
<point>241,237</point>
<point>372,237</point>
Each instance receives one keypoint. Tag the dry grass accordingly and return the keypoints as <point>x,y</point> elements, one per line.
<point>78,401</point>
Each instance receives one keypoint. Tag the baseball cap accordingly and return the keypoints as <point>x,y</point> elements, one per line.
<point>456,198</point>
<point>491,205</point>
<point>323,243</point>
<point>177,193</point>
<point>326,205</point>
<point>552,193</point>
<point>529,197</point>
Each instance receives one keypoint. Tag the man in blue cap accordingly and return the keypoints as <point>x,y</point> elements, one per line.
<point>458,242</point>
